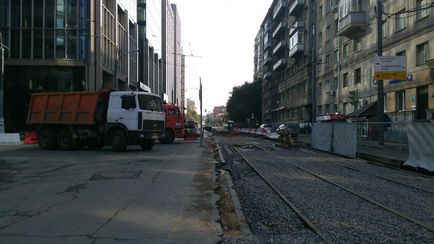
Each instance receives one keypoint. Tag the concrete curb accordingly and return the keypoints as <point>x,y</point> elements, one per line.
<point>222,159</point>
<point>10,138</point>
<point>244,227</point>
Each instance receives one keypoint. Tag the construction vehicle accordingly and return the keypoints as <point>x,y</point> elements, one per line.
<point>70,120</point>
<point>175,123</point>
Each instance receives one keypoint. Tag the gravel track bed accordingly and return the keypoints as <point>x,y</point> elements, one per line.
<point>270,220</point>
<point>413,203</point>
<point>418,180</point>
<point>343,217</point>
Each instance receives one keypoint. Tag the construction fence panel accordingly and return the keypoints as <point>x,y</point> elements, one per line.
<point>345,139</point>
<point>421,146</point>
<point>322,136</point>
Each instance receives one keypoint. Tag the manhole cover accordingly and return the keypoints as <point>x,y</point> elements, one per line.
<point>116,174</point>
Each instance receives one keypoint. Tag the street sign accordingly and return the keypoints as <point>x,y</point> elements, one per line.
<point>390,68</point>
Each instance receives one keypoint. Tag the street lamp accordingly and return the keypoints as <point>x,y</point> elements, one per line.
<point>2,64</point>
<point>115,80</point>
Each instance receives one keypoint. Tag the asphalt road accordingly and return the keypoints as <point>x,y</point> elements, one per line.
<point>160,196</point>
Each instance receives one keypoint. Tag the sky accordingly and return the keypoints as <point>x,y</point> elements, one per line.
<point>218,38</point>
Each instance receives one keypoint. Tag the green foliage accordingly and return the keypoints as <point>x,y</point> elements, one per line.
<point>192,115</point>
<point>245,101</point>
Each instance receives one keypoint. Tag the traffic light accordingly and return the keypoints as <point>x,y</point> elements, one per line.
<point>353,97</point>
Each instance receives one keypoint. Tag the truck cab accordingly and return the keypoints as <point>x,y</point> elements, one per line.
<point>140,113</point>
<point>175,123</point>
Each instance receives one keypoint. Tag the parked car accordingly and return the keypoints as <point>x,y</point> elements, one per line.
<point>266,128</point>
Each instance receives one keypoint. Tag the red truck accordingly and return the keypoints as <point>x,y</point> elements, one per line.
<point>175,123</point>
<point>69,120</point>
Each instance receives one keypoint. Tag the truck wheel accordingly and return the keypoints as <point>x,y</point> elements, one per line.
<point>170,137</point>
<point>119,141</point>
<point>46,139</point>
<point>147,144</point>
<point>64,140</point>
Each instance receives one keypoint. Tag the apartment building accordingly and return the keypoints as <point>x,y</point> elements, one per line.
<point>58,45</point>
<point>347,45</point>
<point>343,50</point>
<point>285,62</point>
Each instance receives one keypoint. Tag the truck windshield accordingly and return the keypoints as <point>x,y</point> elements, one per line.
<point>152,103</point>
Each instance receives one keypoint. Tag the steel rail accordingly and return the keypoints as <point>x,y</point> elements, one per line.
<point>386,179</point>
<point>408,218</point>
<point>380,177</point>
<point>304,219</point>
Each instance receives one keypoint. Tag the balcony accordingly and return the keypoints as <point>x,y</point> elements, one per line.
<point>297,49</point>
<point>351,24</point>
<point>279,47</point>
<point>279,29</point>
<point>295,7</point>
<point>267,45</point>
<point>298,25</point>
<point>267,60</point>
<point>267,75</point>
<point>280,64</point>
<point>277,8</point>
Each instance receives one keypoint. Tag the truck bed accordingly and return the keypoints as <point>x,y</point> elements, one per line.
<point>74,108</point>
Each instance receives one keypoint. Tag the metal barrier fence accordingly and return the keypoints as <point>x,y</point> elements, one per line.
<point>396,140</point>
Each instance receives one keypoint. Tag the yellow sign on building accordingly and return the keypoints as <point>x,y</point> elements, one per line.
<point>390,68</point>
<point>384,75</point>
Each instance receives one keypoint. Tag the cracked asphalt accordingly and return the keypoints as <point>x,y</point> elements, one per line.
<point>100,196</point>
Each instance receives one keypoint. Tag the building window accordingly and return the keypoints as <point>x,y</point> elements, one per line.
<point>357,76</point>
<point>400,100</point>
<point>60,44</point>
<point>328,34</point>
<point>345,108</point>
<point>400,20</point>
<point>402,53</point>
<point>358,44</point>
<point>320,12</point>
<point>337,56</point>
<point>345,80</point>
<point>422,54</point>
<point>320,39</point>
<point>385,29</point>
<point>327,61</point>
<point>385,103</point>
<point>335,83</point>
<point>422,9</point>
<point>336,25</point>
<point>346,50</point>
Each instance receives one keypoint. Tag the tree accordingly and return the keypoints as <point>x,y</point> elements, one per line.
<point>244,101</point>
<point>192,115</point>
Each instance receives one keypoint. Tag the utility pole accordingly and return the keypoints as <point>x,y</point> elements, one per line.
<point>2,61</point>
<point>200,100</point>
<point>380,92</point>
<point>313,52</point>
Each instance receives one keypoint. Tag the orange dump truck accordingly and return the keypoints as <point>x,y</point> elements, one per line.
<point>69,120</point>
<point>175,123</point>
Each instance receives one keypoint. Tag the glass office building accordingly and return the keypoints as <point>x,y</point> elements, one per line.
<point>65,45</point>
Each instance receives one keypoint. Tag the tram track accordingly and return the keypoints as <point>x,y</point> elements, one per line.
<point>326,237</point>
<point>308,223</point>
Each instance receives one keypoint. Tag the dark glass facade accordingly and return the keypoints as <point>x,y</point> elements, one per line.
<point>44,29</point>
<point>27,80</point>
<point>50,31</point>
